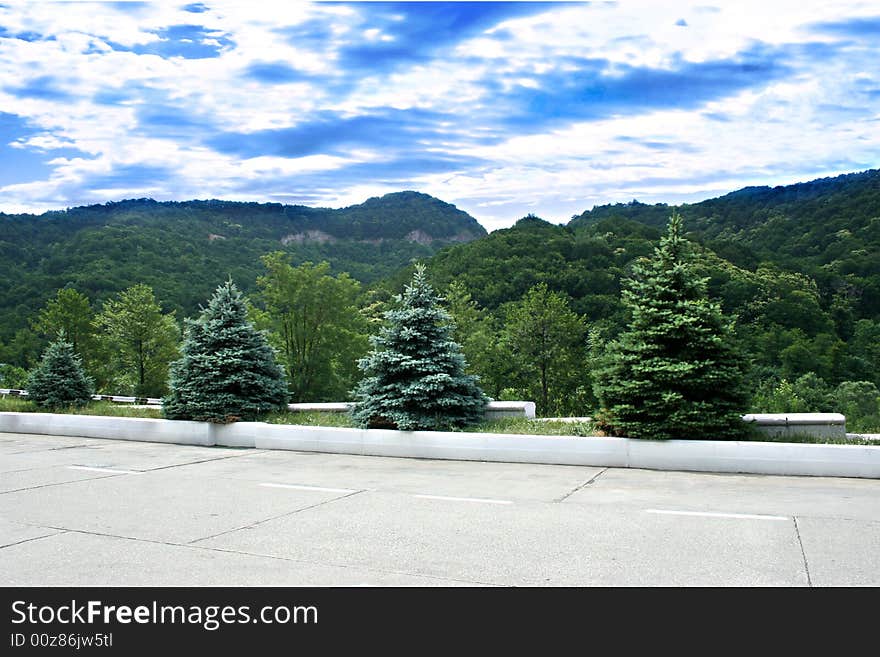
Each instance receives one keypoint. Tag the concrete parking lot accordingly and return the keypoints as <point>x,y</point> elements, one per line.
<point>78,511</point>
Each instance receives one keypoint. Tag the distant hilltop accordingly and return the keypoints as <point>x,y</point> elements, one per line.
<point>404,215</point>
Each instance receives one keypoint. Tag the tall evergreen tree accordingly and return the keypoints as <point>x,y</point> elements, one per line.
<point>675,372</point>
<point>59,380</point>
<point>415,375</point>
<point>228,370</point>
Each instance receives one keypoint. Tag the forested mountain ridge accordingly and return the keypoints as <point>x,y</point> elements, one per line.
<point>828,229</point>
<point>185,249</point>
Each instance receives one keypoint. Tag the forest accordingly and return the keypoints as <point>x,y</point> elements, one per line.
<point>796,269</point>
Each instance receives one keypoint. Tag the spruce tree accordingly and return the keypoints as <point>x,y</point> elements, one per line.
<point>415,375</point>
<point>675,373</point>
<point>59,380</point>
<point>228,370</point>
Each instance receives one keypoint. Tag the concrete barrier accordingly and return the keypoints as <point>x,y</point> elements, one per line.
<point>321,407</point>
<point>817,425</point>
<point>494,409</point>
<point>497,409</point>
<point>692,455</point>
<point>115,428</point>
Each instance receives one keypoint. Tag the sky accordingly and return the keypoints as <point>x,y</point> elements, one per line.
<point>503,109</point>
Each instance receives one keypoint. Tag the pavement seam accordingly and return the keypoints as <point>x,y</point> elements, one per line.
<point>57,532</point>
<point>61,483</point>
<point>52,449</point>
<point>180,465</point>
<point>797,532</point>
<point>64,530</point>
<point>582,486</point>
<point>283,515</point>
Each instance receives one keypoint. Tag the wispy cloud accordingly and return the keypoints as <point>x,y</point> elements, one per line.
<point>502,108</point>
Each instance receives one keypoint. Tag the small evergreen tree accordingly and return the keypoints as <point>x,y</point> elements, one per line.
<point>59,380</point>
<point>675,372</point>
<point>228,370</point>
<point>415,375</point>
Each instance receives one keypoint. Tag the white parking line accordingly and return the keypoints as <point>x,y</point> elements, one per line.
<point>315,488</point>
<point>109,470</point>
<point>709,514</point>
<point>463,499</point>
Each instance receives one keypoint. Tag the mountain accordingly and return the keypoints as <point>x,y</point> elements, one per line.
<point>828,229</point>
<point>798,266</point>
<point>185,249</point>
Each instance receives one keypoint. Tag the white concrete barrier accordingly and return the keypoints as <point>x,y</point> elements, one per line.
<point>817,425</point>
<point>494,409</point>
<point>497,409</point>
<point>321,407</point>
<point>694,455</point>
<point>116,428</point>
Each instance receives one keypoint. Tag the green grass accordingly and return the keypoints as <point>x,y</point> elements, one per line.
<point>517,425</point>
<point>20,405</point>
<point>311,419</point>
<point>522,425</point>
<point>816,440</point>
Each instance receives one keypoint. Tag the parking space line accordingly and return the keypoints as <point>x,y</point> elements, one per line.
<point>710,514</point>
<point>108,470</point>
<point>313,488</point>
<point>463,499</point>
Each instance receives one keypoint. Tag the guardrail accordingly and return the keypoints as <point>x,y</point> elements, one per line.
<point>122,399</point>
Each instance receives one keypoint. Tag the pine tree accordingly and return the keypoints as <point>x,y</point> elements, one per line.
<point>415,375</point>
<point>675,372</point>
<point>59,380</point>
<point>228,370</point>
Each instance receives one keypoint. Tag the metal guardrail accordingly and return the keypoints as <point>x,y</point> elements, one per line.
<point>122,399</point>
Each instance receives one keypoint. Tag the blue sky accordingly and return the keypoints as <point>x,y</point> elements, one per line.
<point>501,108</point>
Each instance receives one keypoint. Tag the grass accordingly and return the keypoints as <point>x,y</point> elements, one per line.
<point>311,419</point>
<point>17,404</point>
<point>522,425</point>
<point>516,425</point>
<point>816,440</point>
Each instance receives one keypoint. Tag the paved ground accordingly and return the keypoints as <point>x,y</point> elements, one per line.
<point>78,511</point>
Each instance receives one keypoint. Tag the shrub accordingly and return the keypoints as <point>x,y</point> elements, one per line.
<point>806,394</point>
<point>859,401</point>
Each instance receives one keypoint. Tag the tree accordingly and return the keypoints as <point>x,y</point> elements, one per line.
<point>59,380</point>
<point>415,375</point>
<point>69,315</point>
<point>859,401</point>
<point>228,370</point>
<point>675,372</point>
<point>545,342</point>
<point>12,376</point>
<point>138,341</point>
<point>316,325</point>
<point>476,331</point>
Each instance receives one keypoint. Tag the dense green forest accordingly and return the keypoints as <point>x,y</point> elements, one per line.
<point>183,250</point>
<point>796,268</point>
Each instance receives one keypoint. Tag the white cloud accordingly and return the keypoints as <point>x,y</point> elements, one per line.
<point>816,119</point>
